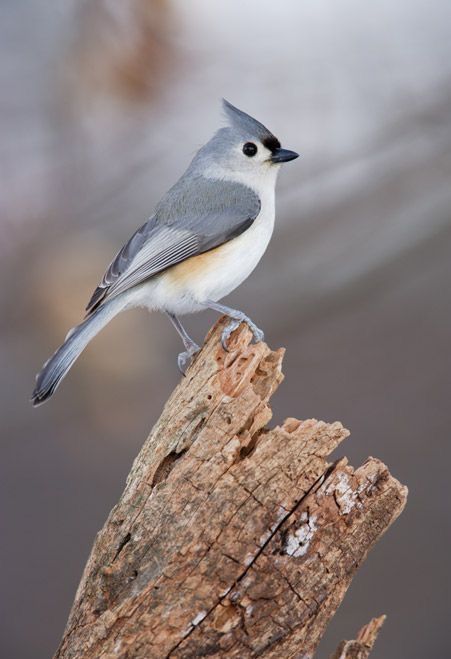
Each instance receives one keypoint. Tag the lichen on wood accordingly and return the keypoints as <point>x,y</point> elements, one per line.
<point>231,539</point>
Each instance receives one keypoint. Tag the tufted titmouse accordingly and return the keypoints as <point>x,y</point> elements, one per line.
<point>207,235</point>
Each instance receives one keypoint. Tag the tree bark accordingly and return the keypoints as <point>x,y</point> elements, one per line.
<point>230,539</point>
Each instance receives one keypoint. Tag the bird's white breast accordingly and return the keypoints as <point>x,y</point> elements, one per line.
<point>230,264</point>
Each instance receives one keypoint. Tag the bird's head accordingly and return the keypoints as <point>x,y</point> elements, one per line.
<point>245,150</point>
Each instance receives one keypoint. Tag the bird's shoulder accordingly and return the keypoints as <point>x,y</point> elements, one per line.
<point>198,198</point>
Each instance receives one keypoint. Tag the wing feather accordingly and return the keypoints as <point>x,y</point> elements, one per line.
<point>174,253</point>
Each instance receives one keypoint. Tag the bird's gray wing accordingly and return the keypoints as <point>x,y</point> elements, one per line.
<point>196,215</point>
<point>120,263</point>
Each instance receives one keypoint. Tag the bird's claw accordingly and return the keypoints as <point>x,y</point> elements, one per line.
<point>257,333</point>
<point>227,331</point>
<point>185,359</point>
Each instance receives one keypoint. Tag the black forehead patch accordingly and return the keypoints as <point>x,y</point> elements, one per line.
<point>271,142</point>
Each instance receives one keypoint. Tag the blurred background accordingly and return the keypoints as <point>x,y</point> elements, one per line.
<point>102,106</point>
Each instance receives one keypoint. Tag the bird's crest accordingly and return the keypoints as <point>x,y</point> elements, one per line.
<point>249,126</point>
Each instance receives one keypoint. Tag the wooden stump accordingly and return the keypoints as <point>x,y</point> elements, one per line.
<point>230,539</point>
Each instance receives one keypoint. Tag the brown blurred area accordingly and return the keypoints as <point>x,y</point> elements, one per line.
<point>102,106</point>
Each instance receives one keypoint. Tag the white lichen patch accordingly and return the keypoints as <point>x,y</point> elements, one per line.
<point>345,496</point>
<point>197,619</point>
<point>344,493</point>
<point>298,542</point>
<point>249,558</point>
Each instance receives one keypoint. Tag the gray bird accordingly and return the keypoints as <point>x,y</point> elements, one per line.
<point>205,238</point>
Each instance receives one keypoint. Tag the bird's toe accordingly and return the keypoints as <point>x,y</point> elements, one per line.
<point>184,359</point>
<point>227,331</point>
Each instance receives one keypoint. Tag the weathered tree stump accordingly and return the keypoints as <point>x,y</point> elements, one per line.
<point>230,539</point>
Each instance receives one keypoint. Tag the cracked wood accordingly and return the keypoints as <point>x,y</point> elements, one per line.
<point>230,538</point>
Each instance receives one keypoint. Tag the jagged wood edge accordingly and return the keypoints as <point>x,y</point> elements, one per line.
<point>361,646</point>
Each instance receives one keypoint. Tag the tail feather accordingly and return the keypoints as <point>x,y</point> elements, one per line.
<point>55,368</point>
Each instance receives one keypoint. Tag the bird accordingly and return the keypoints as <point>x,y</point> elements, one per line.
<point>206,236</point>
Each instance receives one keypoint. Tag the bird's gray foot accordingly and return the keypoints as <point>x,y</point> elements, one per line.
<point>234,324</point>
<point>236,317</point>
<point>184,359</point>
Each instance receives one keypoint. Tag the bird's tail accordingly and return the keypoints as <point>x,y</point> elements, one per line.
<point>76,341</point>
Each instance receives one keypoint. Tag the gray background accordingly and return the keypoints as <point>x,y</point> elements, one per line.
<point>101,108</point>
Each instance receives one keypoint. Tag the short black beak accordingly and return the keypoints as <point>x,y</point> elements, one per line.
<point>283,155</point>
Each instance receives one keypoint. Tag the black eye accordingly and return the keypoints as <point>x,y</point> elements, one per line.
<point>250,149</point>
